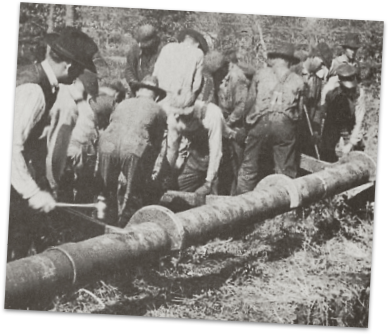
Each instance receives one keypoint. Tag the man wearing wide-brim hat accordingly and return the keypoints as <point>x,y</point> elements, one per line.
<point>343,112</point>
<point>350,46</point>
<point>274,109</point>
<point>69,54</point>
<point>179,68</point>
<point>130,145</point>
<point>142,53</point>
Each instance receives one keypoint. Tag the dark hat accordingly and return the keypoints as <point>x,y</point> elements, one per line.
<point>197,36</point>
<point>213,61</point>
<point>347,75</point>
<point>287,51</point>
<point>152,83</point>
<point>323,51</point>
<point>74,45</point>
<point>351,41</point>
<point>146,34</point>
<point>90,82</point>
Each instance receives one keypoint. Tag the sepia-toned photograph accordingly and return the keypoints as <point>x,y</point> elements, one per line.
<point>194,165</point>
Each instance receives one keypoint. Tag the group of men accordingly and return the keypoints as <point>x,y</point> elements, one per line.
<point>193,120</point>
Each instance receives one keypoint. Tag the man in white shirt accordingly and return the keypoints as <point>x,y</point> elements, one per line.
<point>179,68</point>
<point>37,86</point>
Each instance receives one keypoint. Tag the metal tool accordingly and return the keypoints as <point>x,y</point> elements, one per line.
<point>100,206</point>
<point>311,132</point>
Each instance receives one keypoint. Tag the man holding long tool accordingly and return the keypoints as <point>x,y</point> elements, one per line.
<point>313,70</point>
<point>37,86</point>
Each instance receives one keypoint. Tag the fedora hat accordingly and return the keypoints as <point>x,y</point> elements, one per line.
<point>147,34</point>
<point>351,41</point>
<point>74,45</point>
<point>152,83</point>
<point>287,51</point>
<point>347,75</point>
<point>197,36</point>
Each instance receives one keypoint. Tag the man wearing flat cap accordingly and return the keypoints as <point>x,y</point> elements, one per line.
<point>275,105</point>
<point>179,68</point>
<point>70,52</point>
<point>130,145</point>
<point>343,112</point>
<point>142,55</point>
<point>314,70</point>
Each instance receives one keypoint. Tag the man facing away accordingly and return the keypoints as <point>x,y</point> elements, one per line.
<point>179,68</point>
<point>276,99</point>
<point>37,86</point>
<point>130,145</point>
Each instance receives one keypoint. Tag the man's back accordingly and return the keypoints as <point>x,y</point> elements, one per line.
<point>179,69</point>
<point>135,121</point>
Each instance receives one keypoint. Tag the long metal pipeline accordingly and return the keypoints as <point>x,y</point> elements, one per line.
<point>155,230</point>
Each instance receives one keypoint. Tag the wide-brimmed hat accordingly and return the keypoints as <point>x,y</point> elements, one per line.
<point>147,34</point>
<point>152,83</point>
<point>287,51</point>
<point>197,36</point>
<point>323,51</point>
<point>347,75</point>
<point>74,45</point>
<point>351,41</point>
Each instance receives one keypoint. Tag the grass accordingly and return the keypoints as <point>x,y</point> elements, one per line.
<point>308,267</point>
<point>311,267</point>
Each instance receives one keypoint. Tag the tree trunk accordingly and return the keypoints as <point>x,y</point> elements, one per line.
<point>50,19</point>
<point>70,11</point>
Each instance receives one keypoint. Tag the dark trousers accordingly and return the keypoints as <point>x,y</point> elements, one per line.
<point>232,157</point>
<point>194,172</point>
<point>270,148</point>
<point>139,189</point>
<point>25,228</point>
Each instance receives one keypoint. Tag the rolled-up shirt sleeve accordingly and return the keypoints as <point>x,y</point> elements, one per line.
<point>214,123</point>
<point>29,109</point>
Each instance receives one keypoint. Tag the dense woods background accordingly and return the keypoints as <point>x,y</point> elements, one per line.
<point>313,269</point>
<point>252,35</point>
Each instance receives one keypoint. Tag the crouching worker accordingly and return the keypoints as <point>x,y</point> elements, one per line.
<point>204,126</point>
<point>130,145</point>
<point>341,116</point>
<point>79,183</point>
